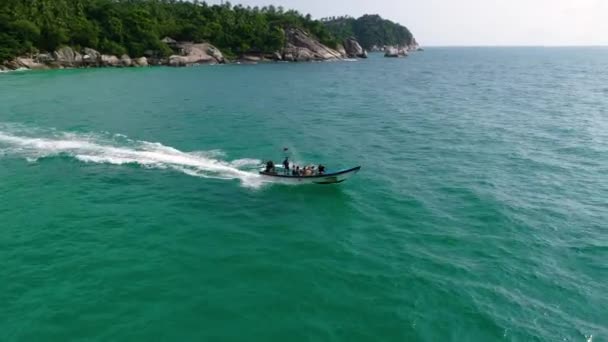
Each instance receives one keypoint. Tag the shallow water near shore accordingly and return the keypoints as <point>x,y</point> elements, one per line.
<point>130,208</point>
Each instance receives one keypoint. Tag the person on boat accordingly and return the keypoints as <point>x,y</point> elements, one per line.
<point>295,171</point>
<point>286,165</point>
<point>307,171</point>
<point>321,169</point>
<point>270,166</point>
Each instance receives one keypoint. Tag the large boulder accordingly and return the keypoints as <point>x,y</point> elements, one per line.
<point>179,61</point>
<point>11,65</point>
<point>305,55</point>
<point>288,56</point>
<point>341,50</point>
<point>251,58</point>
<point>304,47</point>
<point>156,60</point>
<point>24,63</point>
<point>391,51</point>
<point>277,56</point>
<point>44,58</point>
<point>214,52</point>
<point>193,54</point>
<point>299,54</point>
<point>91,57</point>
<point>140,62</point>
<point>110,61</point>
<point>67,57</point>
<point>353,48</point>
<point>126,61</point>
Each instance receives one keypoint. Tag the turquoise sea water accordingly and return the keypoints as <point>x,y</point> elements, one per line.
<point>129,211</point>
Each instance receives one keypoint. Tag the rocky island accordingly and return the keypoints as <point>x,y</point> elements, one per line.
<point>42,34</point>
<point>375,34</point>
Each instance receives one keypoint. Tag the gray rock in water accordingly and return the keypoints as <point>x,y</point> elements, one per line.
<point>126,61</point>
<point>157,61</point>
<point>304,47</point>
<point>110,61</point>
<point>251,58</point>
<point>305,55</point>
<point>11,65</point>
<point>277,56</point>
<point>3,68</point>
<point>91,57</point>
<point>44,58</point>
<point>215,53</point>
<point>390,51</point>
<point>28,63</point>
<point>178,61</point>
<point>140,62</point>
<point>353,48</point>
<point>288,56</point>
<point>66,57</point>
<point>302,54</point>
<point>298,54</point>
<point>342,50</point>
<point>193,54</point>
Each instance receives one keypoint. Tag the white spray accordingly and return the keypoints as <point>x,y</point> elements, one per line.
<point>97,149</point>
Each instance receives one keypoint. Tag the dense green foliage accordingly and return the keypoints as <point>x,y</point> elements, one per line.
<point>136,26</point>
<point>369,30</point>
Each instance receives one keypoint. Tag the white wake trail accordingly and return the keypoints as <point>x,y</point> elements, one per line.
<point>96,149</point>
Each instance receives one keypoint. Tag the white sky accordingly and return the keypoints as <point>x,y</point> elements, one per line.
<point>475,22</point>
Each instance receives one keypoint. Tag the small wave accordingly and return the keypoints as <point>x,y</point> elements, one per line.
<point>90,148</point>
<point>246,163</point>
<point>16,70</point>
<point>210,154</point>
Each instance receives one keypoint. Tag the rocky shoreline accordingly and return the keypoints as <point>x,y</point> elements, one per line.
<point>300,46</point>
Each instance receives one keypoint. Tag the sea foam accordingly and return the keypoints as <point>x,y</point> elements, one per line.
<point>91,148</point>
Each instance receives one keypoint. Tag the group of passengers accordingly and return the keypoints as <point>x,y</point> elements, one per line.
<point>310,170</point>
<point>296,170</point>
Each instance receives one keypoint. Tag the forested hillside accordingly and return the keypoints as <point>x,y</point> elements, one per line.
<point>135,26</point>
<point>370,31</point>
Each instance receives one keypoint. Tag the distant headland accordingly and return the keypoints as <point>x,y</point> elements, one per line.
<point>43,34</point>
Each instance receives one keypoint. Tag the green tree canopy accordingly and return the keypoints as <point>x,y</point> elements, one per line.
<point>369,30</point>
<point>135,26</point>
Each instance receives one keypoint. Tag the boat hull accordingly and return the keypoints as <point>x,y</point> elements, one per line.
<point>328,178</point>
